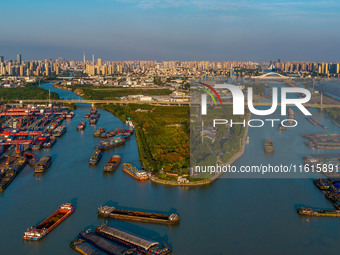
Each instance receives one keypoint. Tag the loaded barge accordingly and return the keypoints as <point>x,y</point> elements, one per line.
<point>85,248</point>
<point>42,229</point>
<point>43,164</point>
<point>268,146</point>
<point>323,141</point>
<point>96,156</point>
<point>318,212</point>
<point>109,143</point>
<point>112,164</point>
<point>104,244</point>
<point>135,172</point>
<point>10,169</point>
<point>132,241</point>
<point>98,132</point>
<point>112,212</point>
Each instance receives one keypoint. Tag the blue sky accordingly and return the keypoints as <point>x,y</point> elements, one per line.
<point>171,30</point>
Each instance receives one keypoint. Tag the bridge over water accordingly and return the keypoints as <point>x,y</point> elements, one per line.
<point>160,103</point>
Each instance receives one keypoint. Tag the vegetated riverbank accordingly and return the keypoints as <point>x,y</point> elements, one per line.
<point>162,134</point>
<point>334,114</point>
<point>163,137</point>
<point>30,92</point>
<point>91,92</point>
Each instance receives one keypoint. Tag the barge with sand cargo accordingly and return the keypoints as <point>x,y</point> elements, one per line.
<point>46,226</point>
<point>114,213</point>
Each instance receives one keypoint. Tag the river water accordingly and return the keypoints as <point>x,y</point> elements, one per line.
<point>231,216</point>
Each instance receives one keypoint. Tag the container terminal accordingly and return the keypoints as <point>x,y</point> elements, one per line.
<point>46,226</point>
<point>323,141</point>
<point>114,213</point>
<point>24,128</point>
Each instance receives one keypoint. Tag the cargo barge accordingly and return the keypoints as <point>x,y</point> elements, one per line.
<point>93,121</point>
<point>109,143</point>
<point>98,132</point>
<point>318,212</point>
<point>132,241</point>
<point>70,115</point>
<point>107,245</point>
<point>323,141</point>
<point>135,172</point>
<point>43,164</point>
<point>96,156</point>
<point>291,116</point>
<point>85,248</point>
<point>268,146</point>
<point>59,131</point>
<point>93,110</point>
<point>42,229</point>
<point>50,142</point>
<point>314,122</point>
<point>112,164</point>
<point>282,128</point>
<point>323,184</point>
<point>10,169</point>
<point>114,213</point>
<point>31,159</point>
<point>81,126</point>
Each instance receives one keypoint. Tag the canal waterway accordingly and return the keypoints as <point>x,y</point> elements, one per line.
<point>230,216</point>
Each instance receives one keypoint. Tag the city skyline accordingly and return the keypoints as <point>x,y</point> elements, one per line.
<point>216,30</point>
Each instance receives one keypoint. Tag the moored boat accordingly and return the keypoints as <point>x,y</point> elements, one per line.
<point>112,164</point>
<point>135,172</point>
<point>50,142</point>
<point>106,144</point>
<point>46,226</point>
<point>99,131</point>
<point>70,115</point>
<point>43,164</point>
<point>59,131</point>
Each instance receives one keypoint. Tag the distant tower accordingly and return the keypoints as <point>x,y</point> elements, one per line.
<point>92,58</point>
<point>19,58</point>
<point>84,57</point>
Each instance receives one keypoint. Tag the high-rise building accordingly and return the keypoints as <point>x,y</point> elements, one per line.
<point>99,61</point>
<point>19,59</point>
<point>1,59</point>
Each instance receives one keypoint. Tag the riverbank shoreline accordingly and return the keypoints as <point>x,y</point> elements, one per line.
<point>204,182</point>
<point>237,156</point>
